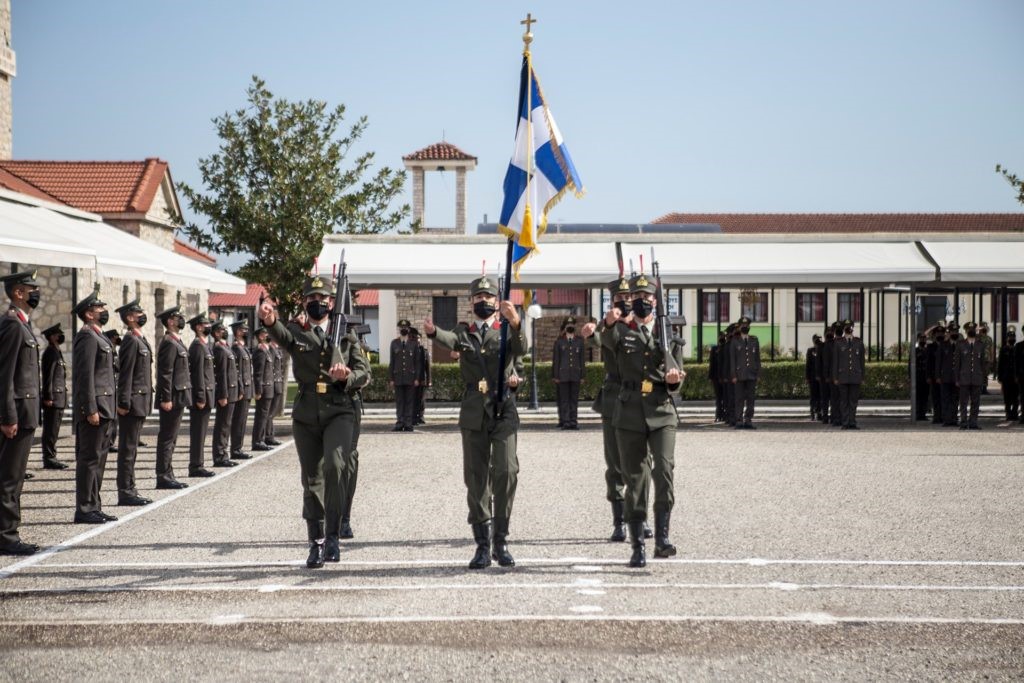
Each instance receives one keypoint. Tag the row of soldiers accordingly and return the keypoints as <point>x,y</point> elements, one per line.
<point>113,393</point>
<point>835,367</point>
<point>733,367</point>
<point>409,377</point>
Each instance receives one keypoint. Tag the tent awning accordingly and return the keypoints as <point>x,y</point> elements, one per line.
<point>996,263</point>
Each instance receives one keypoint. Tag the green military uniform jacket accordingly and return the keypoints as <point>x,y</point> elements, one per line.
<point>644,400</point>
<point>848,360</point>
<point>478,353</point>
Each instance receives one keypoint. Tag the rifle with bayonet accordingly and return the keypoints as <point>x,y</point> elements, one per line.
<point>662,320</point>
<point>339,316</point>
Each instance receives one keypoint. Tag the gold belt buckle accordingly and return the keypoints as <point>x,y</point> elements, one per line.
<point>646,387</point>
<point>321,387</point>
<point>482,386</point>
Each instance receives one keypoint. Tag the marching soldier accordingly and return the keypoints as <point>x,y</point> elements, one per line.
<point>745,353</point>
<point>226,391</point>
<point>1007,376</point>
<point>134,397</point>
<point>825,373</point>
<point>277,407</point>
<point>645,417</point>
<point>567,367</point>
<point>54,395</point>
<point>323,416</point>
<point>848,374</point>
<point>240,413</point>
<point>812,376</point>
<point>404,370</point>
<point>19,404</point>
<point>263,389</point>
<point>173,395</point>
<point>424,378</point>
<point>923,388</point>
<point>969,370</point>
<point>200,365</point>
<point>92,388</point>
<point>489,460</point>
<point>714,362</point>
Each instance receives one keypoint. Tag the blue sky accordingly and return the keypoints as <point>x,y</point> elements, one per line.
<point>868,106</point>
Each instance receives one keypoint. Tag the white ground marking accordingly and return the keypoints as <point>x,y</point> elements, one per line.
<point>226,619</point>
<point>586,609</point>
<point>587,568</point>
<point>103,528</point>
<point>591,591</point>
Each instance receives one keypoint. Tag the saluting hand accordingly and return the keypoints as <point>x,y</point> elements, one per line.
<point>588,329</point>
<point>612,316</point>
<point>428,325</point>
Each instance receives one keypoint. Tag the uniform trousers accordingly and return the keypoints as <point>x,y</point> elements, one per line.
<point>262,418</point>
<point>937,413</point>
<point>635,448</point>
<point>13,462</point>
<point>350,471</point>
<point>275,410</point>
<point>323,439</point>
<point>836,416</point>
<point>730,403</point>
<point>91,447</point>
<point>421,401</point>
<point>719,400</point>
<point>239,421</point>
<point>490,467</point>
<point>166,440</point>
<point>614,482</point>
<point>198,425</point>
<point>849,395</point>
<point>129,429</point>
<point>970,394</point>
<point>1010,398</point>
<point>405,405</point>
<point>923,391</point>
<point>745,391</point>
<point>825,393</point>
<point>949,400</point>
<point>52,418</point>
<point>222,431</point>
<point>568,403</point>
<point>815,388</point>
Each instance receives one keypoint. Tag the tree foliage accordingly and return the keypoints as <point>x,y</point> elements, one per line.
<point>280,182</point>
<point>1016,182</point>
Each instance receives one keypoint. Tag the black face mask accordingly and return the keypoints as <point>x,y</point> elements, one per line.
<point>60,339</point>
<point>103,318</point>
<point>830,337</point>
<point>33,298</point>
<point>972,334</point>
<point>404,331</point>
<point>623,307</point>
<point>317,310</point>
<point>847,330</point>
<point>745,329</point>
<point>642,308</point>
<point>142,320</point>
<point>570,329</point>
<point>483,309</point>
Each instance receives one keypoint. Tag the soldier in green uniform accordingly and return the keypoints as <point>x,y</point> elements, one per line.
<point>848,367</point>
<point>969,370</point>
<point>134,398</point>
<point>54,395</point>
<point>567,369</point>
<point>424,376</point>
<point>645,416</point>
<point>279,393</point>
<point>350,475</point>
<point>989,351</point>
<point>173,395</point>
<point>263,389</point>
<point>200,363</point>
<point>404,371</point>
<point>489,461</point>
<point>745,359</point>
<point>323,417</point>
<point>226,394</point>
<point>240,414</point>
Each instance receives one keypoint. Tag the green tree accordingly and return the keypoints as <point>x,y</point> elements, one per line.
<point>280,182</point>
<point>1016,182</point>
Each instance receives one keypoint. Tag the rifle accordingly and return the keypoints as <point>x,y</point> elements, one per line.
<point>662,316</point>
<point>339,316</point>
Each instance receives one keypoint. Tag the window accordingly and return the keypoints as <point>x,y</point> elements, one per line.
<point>1012,307</point>
<point>810,307</point>
<point>849,306</point>
<point>716,307</point>
<point>756,307</point>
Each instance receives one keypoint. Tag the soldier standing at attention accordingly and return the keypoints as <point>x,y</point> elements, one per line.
<point>953,337</point>
<point>226,393</point>
<point>848,374</point>
<point>936,336</point>
<point>1018,371</point>
<point>713,364</point>
<point>200,366</point>
<point>424,377</point>
<point>240,413</point>
<point>277,408</point>
<point>567,372</point>
<point>969,368</point>
<point>745,352</point>
<point>92,388</point>
<point>825,372</point>
<point>725,376</point>
<point>19,404</point>
<point>263,389</point>
<point>923,386</point>
<point>115,340</point>
<point>989,349</point>
<point>323,417</point>
<point>812,376</point>
<point>403,375</point>
<point>1008,377</point>
<point>645,417</point>
<point>173,394</point>
<point>54,395</point>
<point>134,397</point>
<point>489,461</point>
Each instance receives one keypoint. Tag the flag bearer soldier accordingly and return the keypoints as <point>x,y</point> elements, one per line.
<point>645,417</point>
<point>936,337</point>
<point>200,365</point>
<point>263,389</point>
<point>173,395</point>
<point>404,371</point>
<point>323,416</point>
<point>424,378</point>
<point>489,461</point>
<point>19,404</point>
<point>226,393</point>
<point>1018,371</point>
<point>240,414</point>
<point>848,374</point>
<point>134,398</point>
<point>54,395</point>
<point>567,369</point>
<point>969,367</point>
<point>92,388</point>
<point>714,361</point>
<point>279,393</point>
<point>812,376</point>
<point>923,388</point>
<point>745,352</point>
<point>1008,377</point>
<point>825,373</point>
<point>115,339</point>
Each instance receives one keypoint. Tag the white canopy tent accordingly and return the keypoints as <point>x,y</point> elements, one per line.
<point>995,263</point>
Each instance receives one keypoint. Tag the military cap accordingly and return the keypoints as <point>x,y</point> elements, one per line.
<point>262,332</point>
<point>568,320</point>
<point>743,321</point>
<point>847,323</point>
<point>404,323</point>
<point>317,284</point>
<point>200,319</point>
<point>413,332</point>
<point>27,277</point>
<point>970,326</point>
<point>640,283</point>
<point>731,328</point>
<point>112,335</point>
<point>130,307</point>
<point>165,314</point>
<point>1010,329</point>
<point>217,326</point>
<point>938,329</point>
<point>88,302</point>
<point>816,338</point>
<point>242,324</point>
<point>619,286</point>
<point>483,285</point>
<point>52,329</point>
<point>951,325</point>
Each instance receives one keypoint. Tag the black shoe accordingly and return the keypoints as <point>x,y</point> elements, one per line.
<point>171,484</point>
<point>636,533</point>
<point>500,549</point>
<point>262,447</point>
<point>419,421</point>
<point>224,463</point>
<point>316,555</point>
<point>662,546</point>
<point>845,427</point>
<point>201,472</point>
<point>332,550</point>
<point>19,548</point>
<point>618,525</point>
<point>409,428</point>
<point>112,449</point>
<point>398,428</point>
<point>54,465</point>
<point>749,426</point>
<point>346,529</point>
<point>240,455</point>
<point>106,517</point>
<point>143,444</point>
<point>974,427</point>
<point>647,531</point>
<point>963,428</point>
<point>133,500</point>
<point>29,475</point>
<point>89,518</point>
<point>853,426</point>
<point>482,536</point>
<point>272,442</point>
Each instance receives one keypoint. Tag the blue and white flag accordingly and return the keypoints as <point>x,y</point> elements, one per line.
<point>540,172</point>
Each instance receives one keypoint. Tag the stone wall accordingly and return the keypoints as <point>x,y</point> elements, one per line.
<point>6,104</point>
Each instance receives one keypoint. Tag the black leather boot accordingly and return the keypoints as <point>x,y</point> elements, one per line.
<point>332,549</point>
<point>482,536</point>
<point>316,534</point>
<point>636,534</point>
<point>500,551</point>
<point>647,531</point>
<point>618,525</point>
<point>662,546</point>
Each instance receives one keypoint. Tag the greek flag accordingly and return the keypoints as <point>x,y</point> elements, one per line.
<point>540,172</point>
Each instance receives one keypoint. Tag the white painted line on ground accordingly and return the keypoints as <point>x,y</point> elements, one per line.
<point>103,528</point>
<point>586,609</point>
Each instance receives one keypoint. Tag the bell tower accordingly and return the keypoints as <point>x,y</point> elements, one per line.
<point>8,70</point>
<point>441,156</point>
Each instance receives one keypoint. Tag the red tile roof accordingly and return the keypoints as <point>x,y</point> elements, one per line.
<point>11,182</point>
<point>99,186</point>
<point>194,253</point>
<point>853,222</point>
<point>367,297</point>
<point>251,298</point>
<point>440,151</point>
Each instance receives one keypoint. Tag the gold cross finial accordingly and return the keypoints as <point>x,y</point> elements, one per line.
<point>528,36</point>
